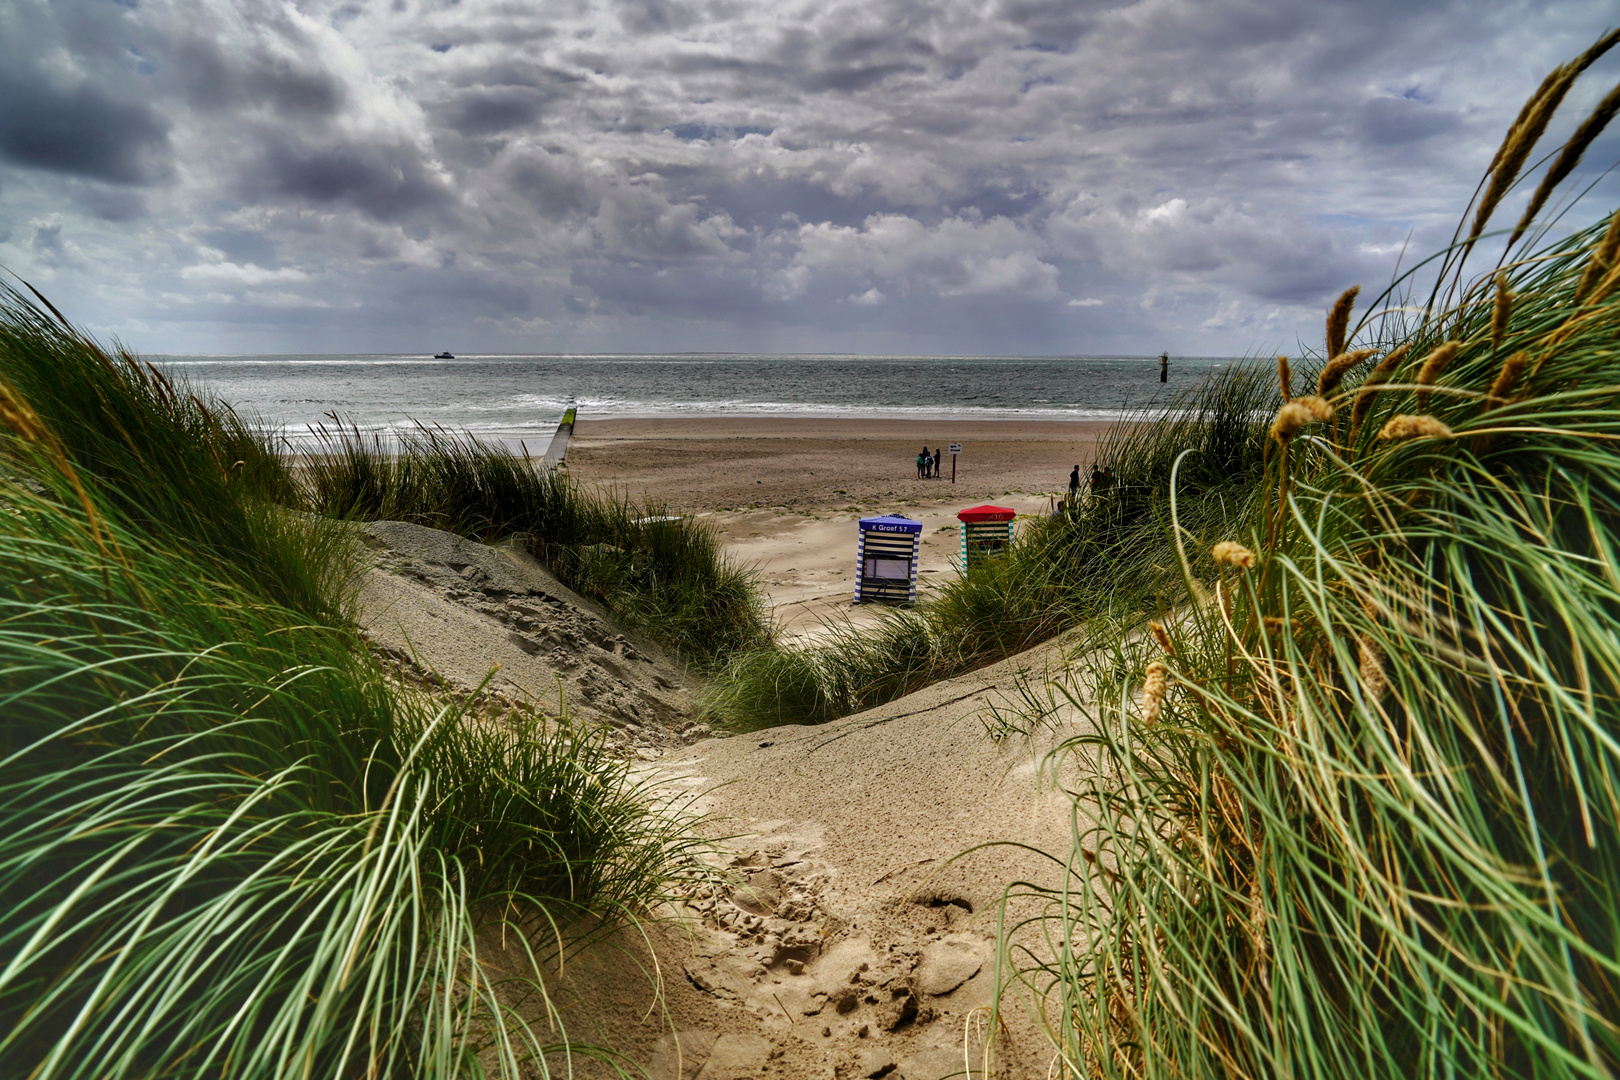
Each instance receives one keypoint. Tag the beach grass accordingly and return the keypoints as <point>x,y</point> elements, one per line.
<point>1358,814</point>
<point>1101,559</point>
<point>662,572</point>
<point>229,845</point>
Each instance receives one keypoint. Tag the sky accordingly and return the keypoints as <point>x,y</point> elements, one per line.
<point>949,177</point>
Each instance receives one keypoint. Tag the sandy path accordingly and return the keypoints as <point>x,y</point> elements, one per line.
<point>858,939</point>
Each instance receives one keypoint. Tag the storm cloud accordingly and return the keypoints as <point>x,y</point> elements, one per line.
<point>1043,176</point>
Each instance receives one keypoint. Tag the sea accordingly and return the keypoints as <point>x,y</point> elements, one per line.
<point>518,400</point>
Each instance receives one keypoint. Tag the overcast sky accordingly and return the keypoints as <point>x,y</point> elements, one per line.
<point>875,176</point>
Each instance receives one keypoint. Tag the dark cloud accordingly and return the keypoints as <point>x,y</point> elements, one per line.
<point>1397,121</point>
<point>713,132</point>
<point>555,185</point>
<point>288,81</point>
<point>82,131</point>
<point>117,204</point>
<point>385,181</point>
<point>648,16</point>
<point>241,245</point>
<point>490,111</point>
<point>47,238</point>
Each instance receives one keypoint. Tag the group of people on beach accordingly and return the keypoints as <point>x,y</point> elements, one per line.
<point>1100,478</point>
<point>928,463</point>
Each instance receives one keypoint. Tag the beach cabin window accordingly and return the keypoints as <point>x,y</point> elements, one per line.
<point>895,569</point>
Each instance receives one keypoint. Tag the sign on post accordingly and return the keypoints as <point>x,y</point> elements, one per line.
<point>956,448</point>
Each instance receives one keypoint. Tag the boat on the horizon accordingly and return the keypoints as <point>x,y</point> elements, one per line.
<point>446,355</point>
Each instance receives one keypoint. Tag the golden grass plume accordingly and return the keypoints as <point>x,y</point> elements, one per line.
<point>1501,311</point>
<point>1375,379</point>
<point>1601,259</point>
<point>1338,320</point>
<point>1155,685</point>
<point>1370,660</point>
<point>1232,553</point>
<point>1584,136</point>
<point>16,414</point>
<point>1434,365</point>
<point>1414,427</point>
<point>1340,366</point>
<point>1508,378</point>
<point>1297,414</point>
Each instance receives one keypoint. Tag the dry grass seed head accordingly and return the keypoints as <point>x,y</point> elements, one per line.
<point>1413,427</point>
<point>1598,263</point>
<point>1520,140</point>
<point>1527,129</point>
<point>16,414</point>
<point>1501,312</point>
<point>1233,553</point>
<point>1290,418</point>
<point>1380,373</point>
<point>1285,377</point>
<point>1433,366</point>
<point>1584,136</point>
<point>1162,636</point>
<point>1370,659</point>
<point>1155,685</point>
<point>1338,320</point>
<point>1508,378</point>
<point>1338,368</point>
<point>1320,408</point>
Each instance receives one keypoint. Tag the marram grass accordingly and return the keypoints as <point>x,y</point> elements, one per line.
<point>1366,820</point>
<point>229,847</point>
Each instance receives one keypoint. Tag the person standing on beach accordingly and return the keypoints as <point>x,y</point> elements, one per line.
<point>922,462</point>
<point>939,456</point>
<point>1074,483</point>
<point>1096,476</point>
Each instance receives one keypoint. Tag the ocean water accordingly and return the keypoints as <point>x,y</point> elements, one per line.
<point>520,398</point>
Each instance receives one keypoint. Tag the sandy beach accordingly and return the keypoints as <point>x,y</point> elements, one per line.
<point>785,493</point>
<point>808,464</point>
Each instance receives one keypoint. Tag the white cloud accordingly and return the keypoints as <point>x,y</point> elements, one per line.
<point>958,257</point>
<point>228,273</point>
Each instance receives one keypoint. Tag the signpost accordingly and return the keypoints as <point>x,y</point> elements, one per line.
<point>956,448</point>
